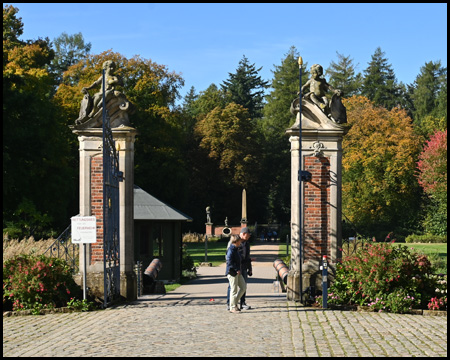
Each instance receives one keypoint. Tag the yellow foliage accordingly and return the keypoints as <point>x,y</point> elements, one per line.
<point>379,152</point>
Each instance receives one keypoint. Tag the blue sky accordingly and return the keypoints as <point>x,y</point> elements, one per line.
<point>205,42</point>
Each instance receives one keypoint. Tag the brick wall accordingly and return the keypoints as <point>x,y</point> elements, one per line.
<point>316,208</point>
<point>97,206</point>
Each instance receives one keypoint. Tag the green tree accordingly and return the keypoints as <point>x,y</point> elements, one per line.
<point>12,28</point>
<point>275,184</point>
<point>343,76</point>
<point>246,88</point>
<point>207,186</point>
<point>379,83</point>
<point>230,137</point>
<point>206,101</point>
<point>69,49</point>
<point>430,98</point>
<point>379,189</point>
<point>35,152</point>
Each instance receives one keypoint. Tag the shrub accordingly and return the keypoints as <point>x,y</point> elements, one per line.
<point>439,302</point>
<point>187,263</point>
<point>427,238</point>
<point>384,277</point>
<point>35,282</point>
<point>193,237</point>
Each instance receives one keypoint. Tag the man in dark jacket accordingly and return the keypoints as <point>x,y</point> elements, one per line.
<point>233,271</point>
<point>246,262</point>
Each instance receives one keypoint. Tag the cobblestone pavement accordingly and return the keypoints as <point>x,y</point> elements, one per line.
<point>186,323</point>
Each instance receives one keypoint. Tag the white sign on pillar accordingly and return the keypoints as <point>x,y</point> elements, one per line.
<point>84,229</point>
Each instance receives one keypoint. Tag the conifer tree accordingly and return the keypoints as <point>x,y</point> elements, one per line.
<point>343,76</point>
<point>277,118</point>
<point>379,83</point>
<point>245,87</point>
<point>430,93</point>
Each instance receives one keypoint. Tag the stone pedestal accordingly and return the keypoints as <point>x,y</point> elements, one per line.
<point>91,204</point>
<point>320,199</point>
<point>209,229</point>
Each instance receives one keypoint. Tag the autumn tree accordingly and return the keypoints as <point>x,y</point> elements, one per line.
<point>35,152</point>
<point>432,177</point>
<point>230,137</point>
<point>379,189</point>
<point>159,164</point>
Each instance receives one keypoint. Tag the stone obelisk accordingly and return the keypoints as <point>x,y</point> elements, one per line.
<point>244,209</point>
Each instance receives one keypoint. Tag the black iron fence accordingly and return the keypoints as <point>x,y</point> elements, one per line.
<point>63,248</point>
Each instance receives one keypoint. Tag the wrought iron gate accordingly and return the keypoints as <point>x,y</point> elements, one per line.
<point>111,242</point>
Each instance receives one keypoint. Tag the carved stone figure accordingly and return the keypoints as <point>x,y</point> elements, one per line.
<point>319,87</point>
<point>208,215</point>
<point>117,104</point>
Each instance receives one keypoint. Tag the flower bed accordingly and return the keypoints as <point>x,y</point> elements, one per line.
<point>384,278</point>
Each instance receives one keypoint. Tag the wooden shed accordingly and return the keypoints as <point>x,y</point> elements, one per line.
<point>158,234</point>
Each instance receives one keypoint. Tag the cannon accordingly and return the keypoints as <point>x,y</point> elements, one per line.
<point>282,270</point>
<point>153,269</point>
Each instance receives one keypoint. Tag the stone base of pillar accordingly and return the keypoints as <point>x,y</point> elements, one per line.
<point>209,231</point>
<point>128,285</point>
<point>293,286</point>
<point>312,277</point>
<point>95,283</point>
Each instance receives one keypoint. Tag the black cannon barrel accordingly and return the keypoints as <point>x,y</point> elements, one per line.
<point>153,269</point>
<point>282,270</point>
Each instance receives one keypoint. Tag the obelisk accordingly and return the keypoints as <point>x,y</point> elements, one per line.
<point>244,209</point>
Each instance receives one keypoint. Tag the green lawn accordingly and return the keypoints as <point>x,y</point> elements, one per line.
<point>216,252</point>
<point>436,252</point>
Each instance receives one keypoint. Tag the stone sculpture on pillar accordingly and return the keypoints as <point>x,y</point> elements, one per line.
<point>119,108</point>
<point>318,214</point>
<point>319,87</point>
<point>88,128</point>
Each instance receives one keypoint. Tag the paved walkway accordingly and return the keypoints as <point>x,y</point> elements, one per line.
<point>193,321</point>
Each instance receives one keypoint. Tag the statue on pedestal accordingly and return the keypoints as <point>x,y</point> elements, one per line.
<point>208,215</point>
<point>117,104</point>
<point>319,87</point>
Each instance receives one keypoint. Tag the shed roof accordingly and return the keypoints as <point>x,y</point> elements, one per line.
<point>147,207</point>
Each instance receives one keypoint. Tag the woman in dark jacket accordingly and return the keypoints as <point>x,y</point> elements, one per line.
<point>233,273</point>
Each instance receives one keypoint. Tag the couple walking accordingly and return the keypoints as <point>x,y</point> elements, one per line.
<point>239,267</point>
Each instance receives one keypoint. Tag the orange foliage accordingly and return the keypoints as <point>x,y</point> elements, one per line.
<point>146,84</point>
<point>379,153</point>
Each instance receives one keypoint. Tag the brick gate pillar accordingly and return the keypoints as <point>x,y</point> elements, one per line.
<point>320,202</point>
<point>91,204</point>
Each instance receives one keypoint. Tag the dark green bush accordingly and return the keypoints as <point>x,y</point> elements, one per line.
<point>36,282</point>
<point>427,238</point>
<point>187,263</point>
